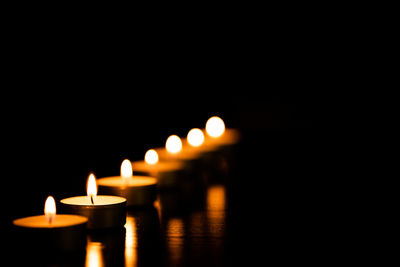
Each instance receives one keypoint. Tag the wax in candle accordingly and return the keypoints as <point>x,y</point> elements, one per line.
<point>60,220</point>
<point>134,181</point>
<point>99,200</point>
<point>159,167</point>
<point>229,137</point>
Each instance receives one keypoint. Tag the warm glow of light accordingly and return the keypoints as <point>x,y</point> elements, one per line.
<point>216,198</point>
<point>50,209</point>
<point>130,242</point>
<point>216,206</point>
<point>91,186</point>
<point>195,137</point>
<point>173,144</point>
<point>94,254</point>
<point>126,169</point>
<point>175,233</point>
<point>215,126</point>
<point>151,157</point>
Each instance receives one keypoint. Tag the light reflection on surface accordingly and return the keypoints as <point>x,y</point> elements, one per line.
<point>94,254</point>
<point>175,234</point>
<point>216,209</point>
<point>130,242</point>
<point>157,205</point>
<point>193,231</point>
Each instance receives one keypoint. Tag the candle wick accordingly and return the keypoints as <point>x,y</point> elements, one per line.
<point>91,199</point>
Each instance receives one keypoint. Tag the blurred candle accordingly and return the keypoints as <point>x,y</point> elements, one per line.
<point>173,144</point>
<point>151,157</point>
<point>195,142</point>
<point>218,135</point>
<point>195,137</point>
<point>138,190</point>
<point>166,172</point>
<point>215,127</point>
<point>102,211</point>
<point>174,151</point>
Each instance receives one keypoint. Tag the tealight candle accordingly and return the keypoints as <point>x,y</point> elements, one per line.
<point>102,211</point>
<point>167,173</point>
<point>138,190</point>
<point>53,231</point>
<point>218,135</point>
<point>174,151</point>
<point>195,141</point>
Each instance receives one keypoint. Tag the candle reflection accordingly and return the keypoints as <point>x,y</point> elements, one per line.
<point>175,233</point>
<point>130,242</point>
<point>216,209</point>
<point>94,254</point>
<point>142,238</point>
<point>157,206</point>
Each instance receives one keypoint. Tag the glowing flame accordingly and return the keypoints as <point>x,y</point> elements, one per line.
<point>91,187</point>
<point>126,169</point>
<point>50,209</point>
<point>195,137</point>
<point>173,144</point>
<point>215,126</point>
<point>151,157</point>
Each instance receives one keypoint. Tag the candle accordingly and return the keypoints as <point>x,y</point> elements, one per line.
<point>218,136</point>
<point>174,151</point>
<point>60,232</point>
<point>195,141</point>
<point>222,141</point>
<point>102,211</point>
<point>167,173</point>
<point>138,190</point>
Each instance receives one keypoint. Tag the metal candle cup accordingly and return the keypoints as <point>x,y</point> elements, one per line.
<point>64,233</point>
<point>101,211</point>
<point>168,173</point>
<point>138,190</point>
<point>106,212</point>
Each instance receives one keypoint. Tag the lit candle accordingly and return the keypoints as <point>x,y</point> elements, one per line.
<point>102,211</point>
<point>195,141</point>
<point>52,231</point>
<point>174,151</point>
<point>167,173</point>
<point>138,190</point>
<point>218,135</point>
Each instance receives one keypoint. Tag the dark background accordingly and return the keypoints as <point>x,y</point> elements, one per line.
<point>81,95</point>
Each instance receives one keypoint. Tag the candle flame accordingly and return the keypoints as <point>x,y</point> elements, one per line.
<point>126,169</point>
<point>215,126</point>
<point>195,137</point>
<point>173,144</point>
<point>91,187</point>
<point>50,209</point>
<point>151,157</point>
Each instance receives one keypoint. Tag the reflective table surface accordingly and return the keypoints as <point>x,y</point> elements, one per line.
<point>263,205</point>
<point>186,226</point>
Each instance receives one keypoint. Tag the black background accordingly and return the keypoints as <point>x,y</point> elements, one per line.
<point>80,95</point>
